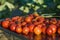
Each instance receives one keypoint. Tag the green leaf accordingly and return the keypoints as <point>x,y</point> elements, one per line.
<point>26,10</point>
<point>36,1</point>
<point>58,6</point>
<point>46,15</point>
<point>21,8</point>
<point>10,6</point>
<point>2,1</point>
<point>36,7</point>
<point>29,4</point>
<point>54,0</point>
<point>39,1</point>
<point>2,7</point>
<point>44,6</point>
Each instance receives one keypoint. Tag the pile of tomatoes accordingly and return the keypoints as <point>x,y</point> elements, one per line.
<point>32,23</point>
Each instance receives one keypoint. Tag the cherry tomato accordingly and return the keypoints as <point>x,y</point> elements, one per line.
<point>53,27</point>
<point>13,27</point>
<point>15,18</point>
<point>35,23</point>
<point>40,25</point>
<point>24,23</point>
<point>44,29</point>
<point>49,31</point>
<point>58,30</point>
<point>28,19</point>
<point>5,24</point>
<point>37,30</point>
<point>25,30</point>
<point>36,14</point>
<point>53,21</point>
<point>8,19</point>
<point>41,20</point>
<point>20,19</point>
<point>18,29</point>
<point>31,27</point>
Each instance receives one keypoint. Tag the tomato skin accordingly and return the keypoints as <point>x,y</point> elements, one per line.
<point>31,27</point>
<point>58,31</point>
<point>28,19</point>
<point>20,19</point>
<point>23,23</point>
<point>31,15</point>
<point>11,22</point>
<point>35,14</point>
<point>5,24</point>
<point>58,23</point>
<point>53,21</point>
<point>44,29</point>
<point>37,30</point>
<point>53,27</point>
<point>49,31</point>
<point>41,20</point>
<point>13,27</point>
<point>8,19</point>
<point>35,23</point>
<point>25,30</point>
<point>18,30</point>
<point>40,25</point>
<point>15,18</point>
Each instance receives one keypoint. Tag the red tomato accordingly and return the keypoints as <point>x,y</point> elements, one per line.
<point>58,30</point>
<point>53,21</point>
<point>11,22</point>
<point>5,24</point>
<point>15,18</point>
<point>18,29</point>
<point>53,27</point>
<point>40,25</point>
<point>58,23</point>
<point>36,14</point>
<point>25,30</point>
<point>13,27</point>
<point>37,30</point>
<point>19,25</point>
<point>49,31</point>
<point>24,23</point>
<point>31,27</point>
<point>28,19</point>
<point>19,19</point>
<point>35,23</point>
<point>31,15</point>
<point>44,29</point>
<point>41,19</point>
<point>8,19</point>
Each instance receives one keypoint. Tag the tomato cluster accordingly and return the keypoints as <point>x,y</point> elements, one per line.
<point>32,23</point>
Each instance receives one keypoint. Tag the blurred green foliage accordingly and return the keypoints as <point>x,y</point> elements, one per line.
<point>26,6</point>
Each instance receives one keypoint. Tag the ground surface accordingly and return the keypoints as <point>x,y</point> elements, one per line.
<point>6,36</point>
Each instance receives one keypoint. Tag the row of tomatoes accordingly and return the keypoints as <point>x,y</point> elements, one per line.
<point>33,23</point>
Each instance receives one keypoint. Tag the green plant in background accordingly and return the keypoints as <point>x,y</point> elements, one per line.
<point>6,7</point>
<point>43,7</point>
